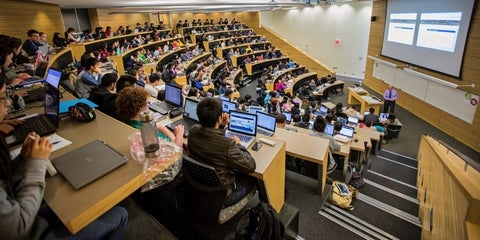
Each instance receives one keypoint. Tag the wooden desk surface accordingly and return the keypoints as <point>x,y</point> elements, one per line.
<point>315,151</point>
<point>365,100</point>
<point>78,208</point>
<point>374,135</point>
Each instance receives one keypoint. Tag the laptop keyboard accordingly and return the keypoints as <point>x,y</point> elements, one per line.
<point>243,138</point>
<point>35,94</point>
<point>261,131</point>
<point>39,124</point>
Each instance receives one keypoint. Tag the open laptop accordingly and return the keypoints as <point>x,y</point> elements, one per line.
<point>288,116</point>
<point>384,116</point>
<point>42,124</point>
<point>190,116</point>
<point>266,124</point>
<point>228,105</point>
<point>255,109</point>
<point>329,129</point>
<point>88,163</point>
<point>343,121</point>
<point>347,131</point>
<point>352,121</point>
<point>244,126</point>
<point>173,99</point>
<point>37,79</point>
<point>323,110</point>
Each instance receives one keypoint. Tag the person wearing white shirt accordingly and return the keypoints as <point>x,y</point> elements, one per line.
<point>154,85</point>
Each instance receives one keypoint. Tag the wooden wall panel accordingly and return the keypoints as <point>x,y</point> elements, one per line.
<point>469,134</point>
<point>249,18</point>
<point>103,18</point>
<point>17,17</point>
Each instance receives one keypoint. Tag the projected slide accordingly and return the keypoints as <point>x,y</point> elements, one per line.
<point>401,28</point>
<point>439,30</point>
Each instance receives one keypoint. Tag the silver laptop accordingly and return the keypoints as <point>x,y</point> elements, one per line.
<point>347,131</point>
<point>266,124</point>
<point>244,126</point>
<point>228,105</point>
<point>173,99</point>
<point>352,121</point>
<point>88,163</point>
<point>255,109</point>
<point>288,116</point>
<point>329,129</point>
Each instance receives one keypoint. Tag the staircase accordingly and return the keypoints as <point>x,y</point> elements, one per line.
<point>386,207</point>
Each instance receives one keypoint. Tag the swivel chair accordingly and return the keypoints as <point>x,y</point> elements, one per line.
<point>208,194</point>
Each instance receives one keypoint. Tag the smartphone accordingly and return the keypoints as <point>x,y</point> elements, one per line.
<point>257,146</point>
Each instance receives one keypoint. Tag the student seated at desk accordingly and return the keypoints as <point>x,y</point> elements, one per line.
<point>108,106</point>
<point>90,77</point>
<point>207,143</point>
<point>22,183</point>
<point>319,131</point>
<point>133,101</point>
<point>106,87</point>
<point>371,117</point>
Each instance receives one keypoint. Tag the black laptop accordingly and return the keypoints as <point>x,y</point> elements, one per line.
<point>42,124</point>
<point>190,116</point>
<point>173,99</point>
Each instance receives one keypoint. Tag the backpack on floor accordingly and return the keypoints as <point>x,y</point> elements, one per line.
<point>342,195</point>
<point>261,222</point>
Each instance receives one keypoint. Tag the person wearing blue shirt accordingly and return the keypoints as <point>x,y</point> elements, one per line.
<point>88,78</point>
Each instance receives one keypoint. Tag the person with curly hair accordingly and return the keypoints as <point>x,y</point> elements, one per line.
<point>133,101</point>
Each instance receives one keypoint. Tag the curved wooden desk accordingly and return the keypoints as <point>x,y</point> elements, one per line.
<point>237,60</point>
<point>258,66</point>
<point>209,45</point>
<point>365,100</point>
<point>221,52</point>
<point>80,48</point>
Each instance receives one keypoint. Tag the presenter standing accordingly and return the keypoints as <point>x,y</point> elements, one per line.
<point>390,97</point>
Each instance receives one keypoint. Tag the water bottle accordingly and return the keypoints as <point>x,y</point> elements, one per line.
<point>310,126</point>
<point>149,135</point>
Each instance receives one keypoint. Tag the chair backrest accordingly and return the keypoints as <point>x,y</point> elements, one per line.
<point>203,176</point>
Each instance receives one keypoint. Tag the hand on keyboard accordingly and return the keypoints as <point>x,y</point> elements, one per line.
<point>236,139</point>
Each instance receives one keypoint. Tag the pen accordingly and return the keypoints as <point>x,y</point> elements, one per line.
<point>56,142</point>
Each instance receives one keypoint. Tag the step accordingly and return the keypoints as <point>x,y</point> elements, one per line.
<point>404,188</point>
<point>398,158</point>
<point>402,172</point>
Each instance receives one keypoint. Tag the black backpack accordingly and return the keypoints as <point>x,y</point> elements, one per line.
<point>260,223</point>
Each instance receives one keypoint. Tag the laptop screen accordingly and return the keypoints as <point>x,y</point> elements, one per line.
<point>228,105</point>
<point>224,98</point>
<point>353,120</point>
<point>342,120</point>
<point>384,115</point>
<point>347,131</point>
<point>53,77</point>
<point>190,109</point>
<point>173,95</point>
<point>244,123</point>
<point>266,121</point>
<point>323,110</point>
<point>255,109</point>
<point>329,129</point>
<point>288,116</point>
<point>52,104</point>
